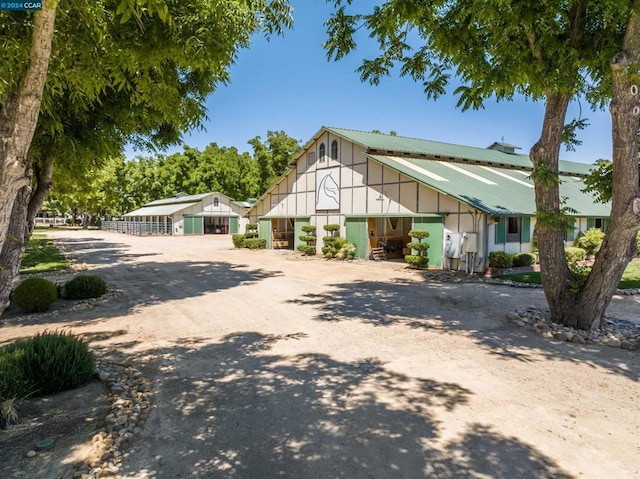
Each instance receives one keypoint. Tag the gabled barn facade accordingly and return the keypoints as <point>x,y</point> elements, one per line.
<point>378,187</point>
<point>183,214</point>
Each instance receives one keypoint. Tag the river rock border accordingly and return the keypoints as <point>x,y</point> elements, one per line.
<point>616,333</point>
<point>130,395</point>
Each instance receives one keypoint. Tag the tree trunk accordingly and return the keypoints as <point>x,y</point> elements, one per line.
<point>18,119</point>
<point>13,247</point>
<point>550,225</point>
<point>619,244</point>
<point>44,183</point>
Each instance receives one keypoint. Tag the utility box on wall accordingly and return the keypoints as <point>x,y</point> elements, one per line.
<point>469,243</point>
<point>452,245</point>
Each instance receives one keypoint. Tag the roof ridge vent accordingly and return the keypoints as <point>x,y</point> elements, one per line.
<point>504,147</point>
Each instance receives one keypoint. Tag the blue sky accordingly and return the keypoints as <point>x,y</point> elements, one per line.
<point>288,84</point>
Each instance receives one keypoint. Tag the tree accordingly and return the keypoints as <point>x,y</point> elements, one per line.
<point>273,157</point>
<point>144,66</point>
<point>553,50</point>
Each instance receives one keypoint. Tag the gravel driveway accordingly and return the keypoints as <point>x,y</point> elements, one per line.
<point>269,365</point>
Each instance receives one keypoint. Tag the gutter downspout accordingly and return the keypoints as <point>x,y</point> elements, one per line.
<point>485,247</point>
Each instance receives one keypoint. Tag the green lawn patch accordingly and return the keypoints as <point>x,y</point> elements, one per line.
<point>41,256</point>
<point>630,278</point>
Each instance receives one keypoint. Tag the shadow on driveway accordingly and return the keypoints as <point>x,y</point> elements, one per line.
<point>240,411</point>
<point>467,308</point>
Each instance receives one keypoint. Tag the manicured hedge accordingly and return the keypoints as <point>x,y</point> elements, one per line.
<point>255,243</point>
<point>500,259</point>
<point>524,259</point>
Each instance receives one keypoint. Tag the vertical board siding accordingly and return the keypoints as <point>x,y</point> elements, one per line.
<point>264,230</point>
<point>357,235</point>
<point>436,231</point>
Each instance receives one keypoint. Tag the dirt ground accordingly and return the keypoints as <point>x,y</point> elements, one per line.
<point>269,365</point>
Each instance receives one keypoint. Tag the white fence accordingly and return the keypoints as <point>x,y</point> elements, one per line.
<point>54,221</point>
<point>139,228</point>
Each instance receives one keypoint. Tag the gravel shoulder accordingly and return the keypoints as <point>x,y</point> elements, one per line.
<point>265,364</point>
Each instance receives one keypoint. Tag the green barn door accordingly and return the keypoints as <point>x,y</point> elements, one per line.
<point>233,225</point>
<point>198,225</point>
<point>298,232</point>
<point>357,235</point>
<point>188,225</point>
<point>193,225</point>
<point>436,230</point>
<point>264,230</point>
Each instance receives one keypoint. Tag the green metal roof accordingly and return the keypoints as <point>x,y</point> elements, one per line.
<point>496,191</point>
<point>181,198</point>
<point>160,210</point>
<point>415,147</point>
<point>243,204</point>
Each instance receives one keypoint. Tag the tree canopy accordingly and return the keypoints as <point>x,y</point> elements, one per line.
<point>554,51</point>
<point>106,73</point>
<point>114,186</point>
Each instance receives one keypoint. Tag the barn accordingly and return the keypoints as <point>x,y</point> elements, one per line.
<point>183,214</point>
<point>378,187</point>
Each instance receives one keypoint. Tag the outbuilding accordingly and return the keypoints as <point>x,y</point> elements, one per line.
<point>183,214</point>
<point>378,187</point>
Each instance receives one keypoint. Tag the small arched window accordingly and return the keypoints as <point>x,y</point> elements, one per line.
<point>322,152</point>
<point>216,202</point>
<point>334,149</point>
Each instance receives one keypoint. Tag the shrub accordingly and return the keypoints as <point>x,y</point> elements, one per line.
<point>590,241</point>
<point>85,287</point>
<point>524,259</point>
<point>419,234</point>
<point>331,227</point>
<point>35,295</point>
<point>333,244</point>
<point>415,261</point>
<point>580,276</point>
<point>575,254</point>
<point>307,249</point>
<point>500,259</point>
<point>238,240</point>
<point>309,238</point>
<point>255,243</point>
<point>251,231</point>
<point>348,251</point>
<point>46,363</point>
<point>420,260</point>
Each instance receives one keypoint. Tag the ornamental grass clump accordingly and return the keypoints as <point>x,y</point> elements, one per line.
<point>85,286</point>
<point>35,295</point>
<point>347,252</point>
<point>332,242</point>
<point>46,363</point>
